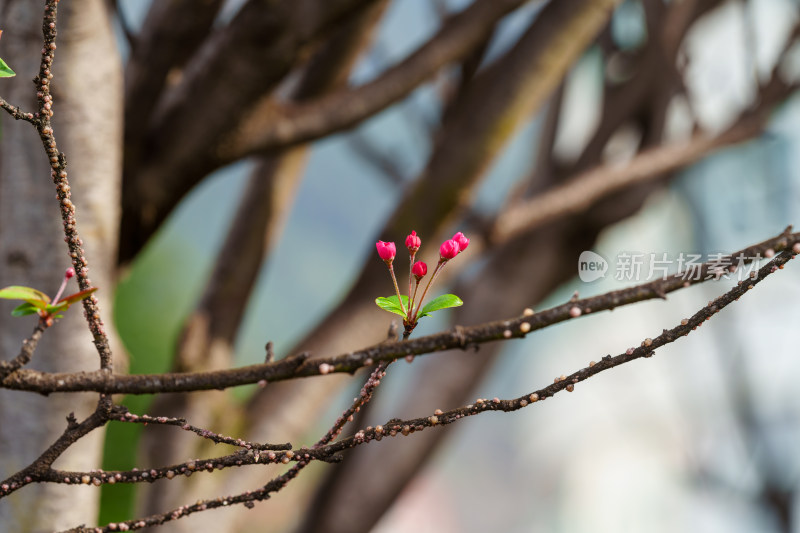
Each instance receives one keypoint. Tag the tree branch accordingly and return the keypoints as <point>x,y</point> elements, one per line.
<point>25,353</point>
<point>586,188</point>
<point>300,366</point>
<point>17,113</point>
<point>269,128</point>
<point>255,52</point>
<point>170,34</point>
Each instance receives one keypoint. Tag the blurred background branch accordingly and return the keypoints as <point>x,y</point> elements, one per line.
<point>261,147</point>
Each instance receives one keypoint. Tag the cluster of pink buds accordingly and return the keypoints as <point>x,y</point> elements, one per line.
<point>409,307</point>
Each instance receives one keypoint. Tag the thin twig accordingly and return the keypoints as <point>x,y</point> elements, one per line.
<point>17,113</point>
<point>25,352</point>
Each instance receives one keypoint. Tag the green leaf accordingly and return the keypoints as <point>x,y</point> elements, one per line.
<point>17,292</point>
<point>5,70</point>
<point>77,297</point>
<point>24,309</point>
<point>57,308</point>
<point>392,304</point>
<point>441,302</point>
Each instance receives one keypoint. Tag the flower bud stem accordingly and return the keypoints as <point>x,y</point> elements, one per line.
<point>396,290</point>
<point>61,289</point>
<point>436,271</point>
<point>410,275</point>
<point>413,299</point>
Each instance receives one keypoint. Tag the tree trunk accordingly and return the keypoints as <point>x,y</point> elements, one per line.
<point>87,124</point>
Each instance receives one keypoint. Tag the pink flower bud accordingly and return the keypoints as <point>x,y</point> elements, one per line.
<point>419,270</point>
<point>69,273</point>
<point>449,249</point>
<point>413,242</point>
<point>386,250</point>
<point>462,241</point>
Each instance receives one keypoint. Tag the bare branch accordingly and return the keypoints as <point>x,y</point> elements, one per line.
<point>17,113</point>
<point>170,34</point>
<point>583,190</point>
<point>268,127</point>
<point>272,36</point>
<point>25,353</point>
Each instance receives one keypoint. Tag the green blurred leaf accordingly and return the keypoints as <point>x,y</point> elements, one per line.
<point>5,70</point>
<point>24,310</point>
<point>392,304</point>
<point>441,302</point>
<point>32,296</point>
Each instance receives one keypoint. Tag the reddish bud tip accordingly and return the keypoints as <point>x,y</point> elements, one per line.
<point>413,242</point>
<point>449,249</point>
<point>419,270</point>
<point>462,241</point>
<point>69,273</point>
<point>386,250</point>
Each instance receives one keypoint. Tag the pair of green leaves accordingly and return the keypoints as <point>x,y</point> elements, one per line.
<point>392,304</point>
<point>38,302</point>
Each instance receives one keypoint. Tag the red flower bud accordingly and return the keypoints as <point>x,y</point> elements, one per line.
<point>413,242</point>
<point>419,270</point>
<point>462,241</point>
<point>386,250</point>
<point>449,249</point>
<point>69,273</point>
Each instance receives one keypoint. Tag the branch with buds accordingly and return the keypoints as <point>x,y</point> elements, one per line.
<point>35,301</point>
<point>408,306</point>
